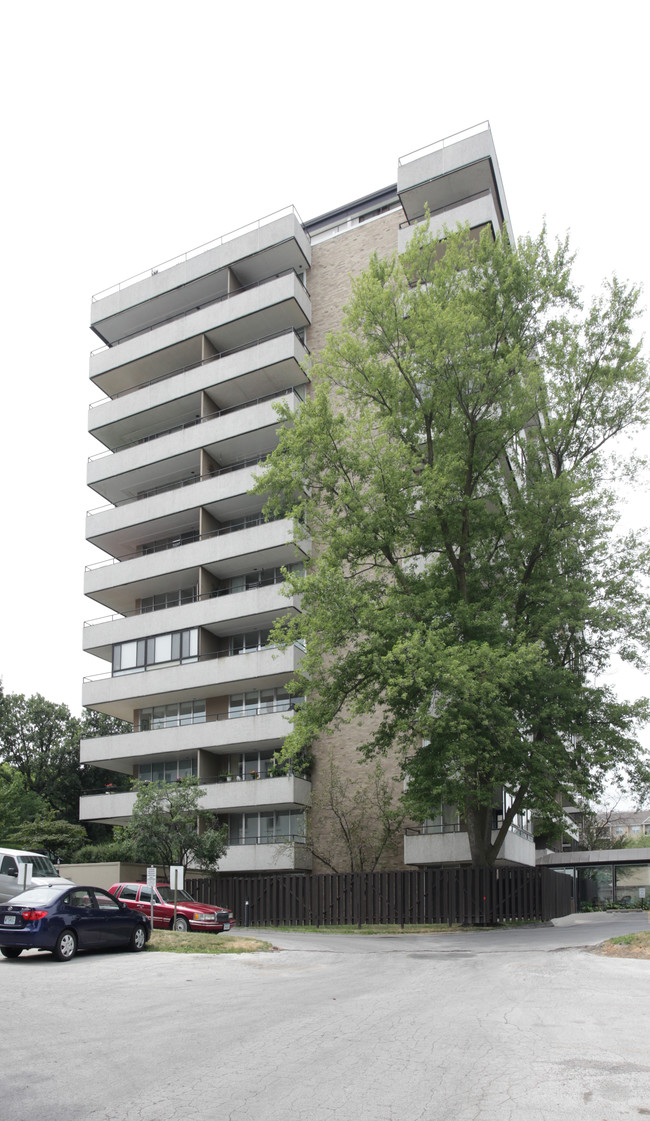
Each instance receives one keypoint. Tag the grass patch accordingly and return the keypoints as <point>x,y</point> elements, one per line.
<point>627,946</point>
<point>178,942</point>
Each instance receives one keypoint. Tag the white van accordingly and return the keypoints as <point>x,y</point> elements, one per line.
<point>12,872</point>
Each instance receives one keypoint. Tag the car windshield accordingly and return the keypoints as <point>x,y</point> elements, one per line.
<point>41,865</point>
<point>167,895</point>
<point>43,896</point>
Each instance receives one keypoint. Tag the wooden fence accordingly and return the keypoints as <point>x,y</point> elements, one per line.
<point>474,896</point>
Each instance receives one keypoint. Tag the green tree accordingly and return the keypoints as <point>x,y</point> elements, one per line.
<point>17,802</point>
<point>40,740</point>
<point>469,588</point>
<point>49,833</point>
<point>168,826</point>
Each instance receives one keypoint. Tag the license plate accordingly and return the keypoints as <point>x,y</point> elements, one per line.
<point>9,920</point>
<point>226,926</point>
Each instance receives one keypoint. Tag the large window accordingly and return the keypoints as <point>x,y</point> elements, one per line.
<point>262,578</point>
<point>168,599</point>
<point>258,702</point>
<point>171,716</point>
<point>144,653</point>
<point>168,771</point>
<point>266,828</point>
<point>252,640</point>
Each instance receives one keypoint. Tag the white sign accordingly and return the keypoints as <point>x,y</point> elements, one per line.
<point>26,875</point>
<point>176,876</point>
<point>151,877</point>
<point>641,893</point>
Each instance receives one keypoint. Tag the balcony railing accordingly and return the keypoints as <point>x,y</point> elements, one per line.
<point>191,658</point>
<point>200,307</point>
<point>109,788</point>
<point>215,594</point>
<point>165,488</point>
<point>269,709</point>
<point>187,256</point>
<point>199,420</point>
<point>201,362</point>
<point>438,145</point>
<point>247,523</point>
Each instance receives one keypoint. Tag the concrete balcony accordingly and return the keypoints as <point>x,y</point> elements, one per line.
<point>109,809</point>
<point>264,731</point>
<point>221,615</point>
<point>232,437</point>
<point>289,857</point>
<point>479,211</point>
<point>119,529</point>
<point>453,848</point>
<point>207,677</point>
<point>449,172</point>
<point>232,321</point>
<point>266,366</point>
<point>117,583</point>
<point>264,248</point>
<point>284,792</point>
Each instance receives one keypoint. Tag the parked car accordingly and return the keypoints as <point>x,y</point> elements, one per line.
<point>190,915</point>
<point>66,919</point>
<point>12,872</point>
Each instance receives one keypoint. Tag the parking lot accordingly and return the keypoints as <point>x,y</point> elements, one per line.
<point>521,1025</point>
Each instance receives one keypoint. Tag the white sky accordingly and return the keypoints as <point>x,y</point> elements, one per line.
<point>135,131</point>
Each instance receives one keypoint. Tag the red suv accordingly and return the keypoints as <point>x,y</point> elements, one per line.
<point>190,915</point>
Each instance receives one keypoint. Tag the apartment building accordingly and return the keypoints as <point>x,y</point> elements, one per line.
<point>195,353</point>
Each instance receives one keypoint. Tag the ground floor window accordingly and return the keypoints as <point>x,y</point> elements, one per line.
<point>266,828</point>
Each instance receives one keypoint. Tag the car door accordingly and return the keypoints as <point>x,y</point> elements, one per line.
<point>160,910</point>
<point>114,924</point>
<point>78,911</point>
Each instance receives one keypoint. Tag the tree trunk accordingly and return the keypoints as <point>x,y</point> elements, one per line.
<point>479,831</point>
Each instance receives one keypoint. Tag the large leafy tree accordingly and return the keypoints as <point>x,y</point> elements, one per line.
<point>39,740</point>
<point>469,589</point>
<point>168,826</point>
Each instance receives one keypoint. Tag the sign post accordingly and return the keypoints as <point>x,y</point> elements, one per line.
<point>151,883</point>
<point>176,879</point>
<point>26,875</point>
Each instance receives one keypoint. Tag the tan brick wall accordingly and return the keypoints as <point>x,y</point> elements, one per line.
<point>334,263</point>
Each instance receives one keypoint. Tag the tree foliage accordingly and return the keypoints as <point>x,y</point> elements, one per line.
<point>39,740</point>
<point>164,823</point>
<point>469,588</point>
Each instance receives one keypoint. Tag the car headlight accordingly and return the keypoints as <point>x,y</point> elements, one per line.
<point>200,916</point>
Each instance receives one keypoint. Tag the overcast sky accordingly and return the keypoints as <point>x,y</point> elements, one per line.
<point>135,131</point>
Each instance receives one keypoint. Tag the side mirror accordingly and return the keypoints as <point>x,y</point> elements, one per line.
<point>12,871</point>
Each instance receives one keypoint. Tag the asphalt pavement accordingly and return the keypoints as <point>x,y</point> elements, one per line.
<point>511,1025</point>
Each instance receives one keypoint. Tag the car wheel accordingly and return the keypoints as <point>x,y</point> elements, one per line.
<point>66,946</point>
<point>138,940</point>
<point>10,951</point>
<point>180,924</point>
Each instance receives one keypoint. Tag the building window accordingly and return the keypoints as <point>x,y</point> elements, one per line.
<point>168,599</point>
<point>169,771</point>
<point>267,828</point>
<point>143,654</point>
<point>171,716</point>
<point>258,702</point>
<point>252,640</point>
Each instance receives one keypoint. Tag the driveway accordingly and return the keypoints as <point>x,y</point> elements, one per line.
<point>513,1026</point>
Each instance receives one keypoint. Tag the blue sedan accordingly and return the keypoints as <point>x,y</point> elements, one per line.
<point>66,919</point>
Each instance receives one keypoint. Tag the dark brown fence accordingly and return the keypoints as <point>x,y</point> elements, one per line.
<point>482,896</point>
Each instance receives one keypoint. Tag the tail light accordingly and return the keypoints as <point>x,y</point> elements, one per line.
<point>33,916</point>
